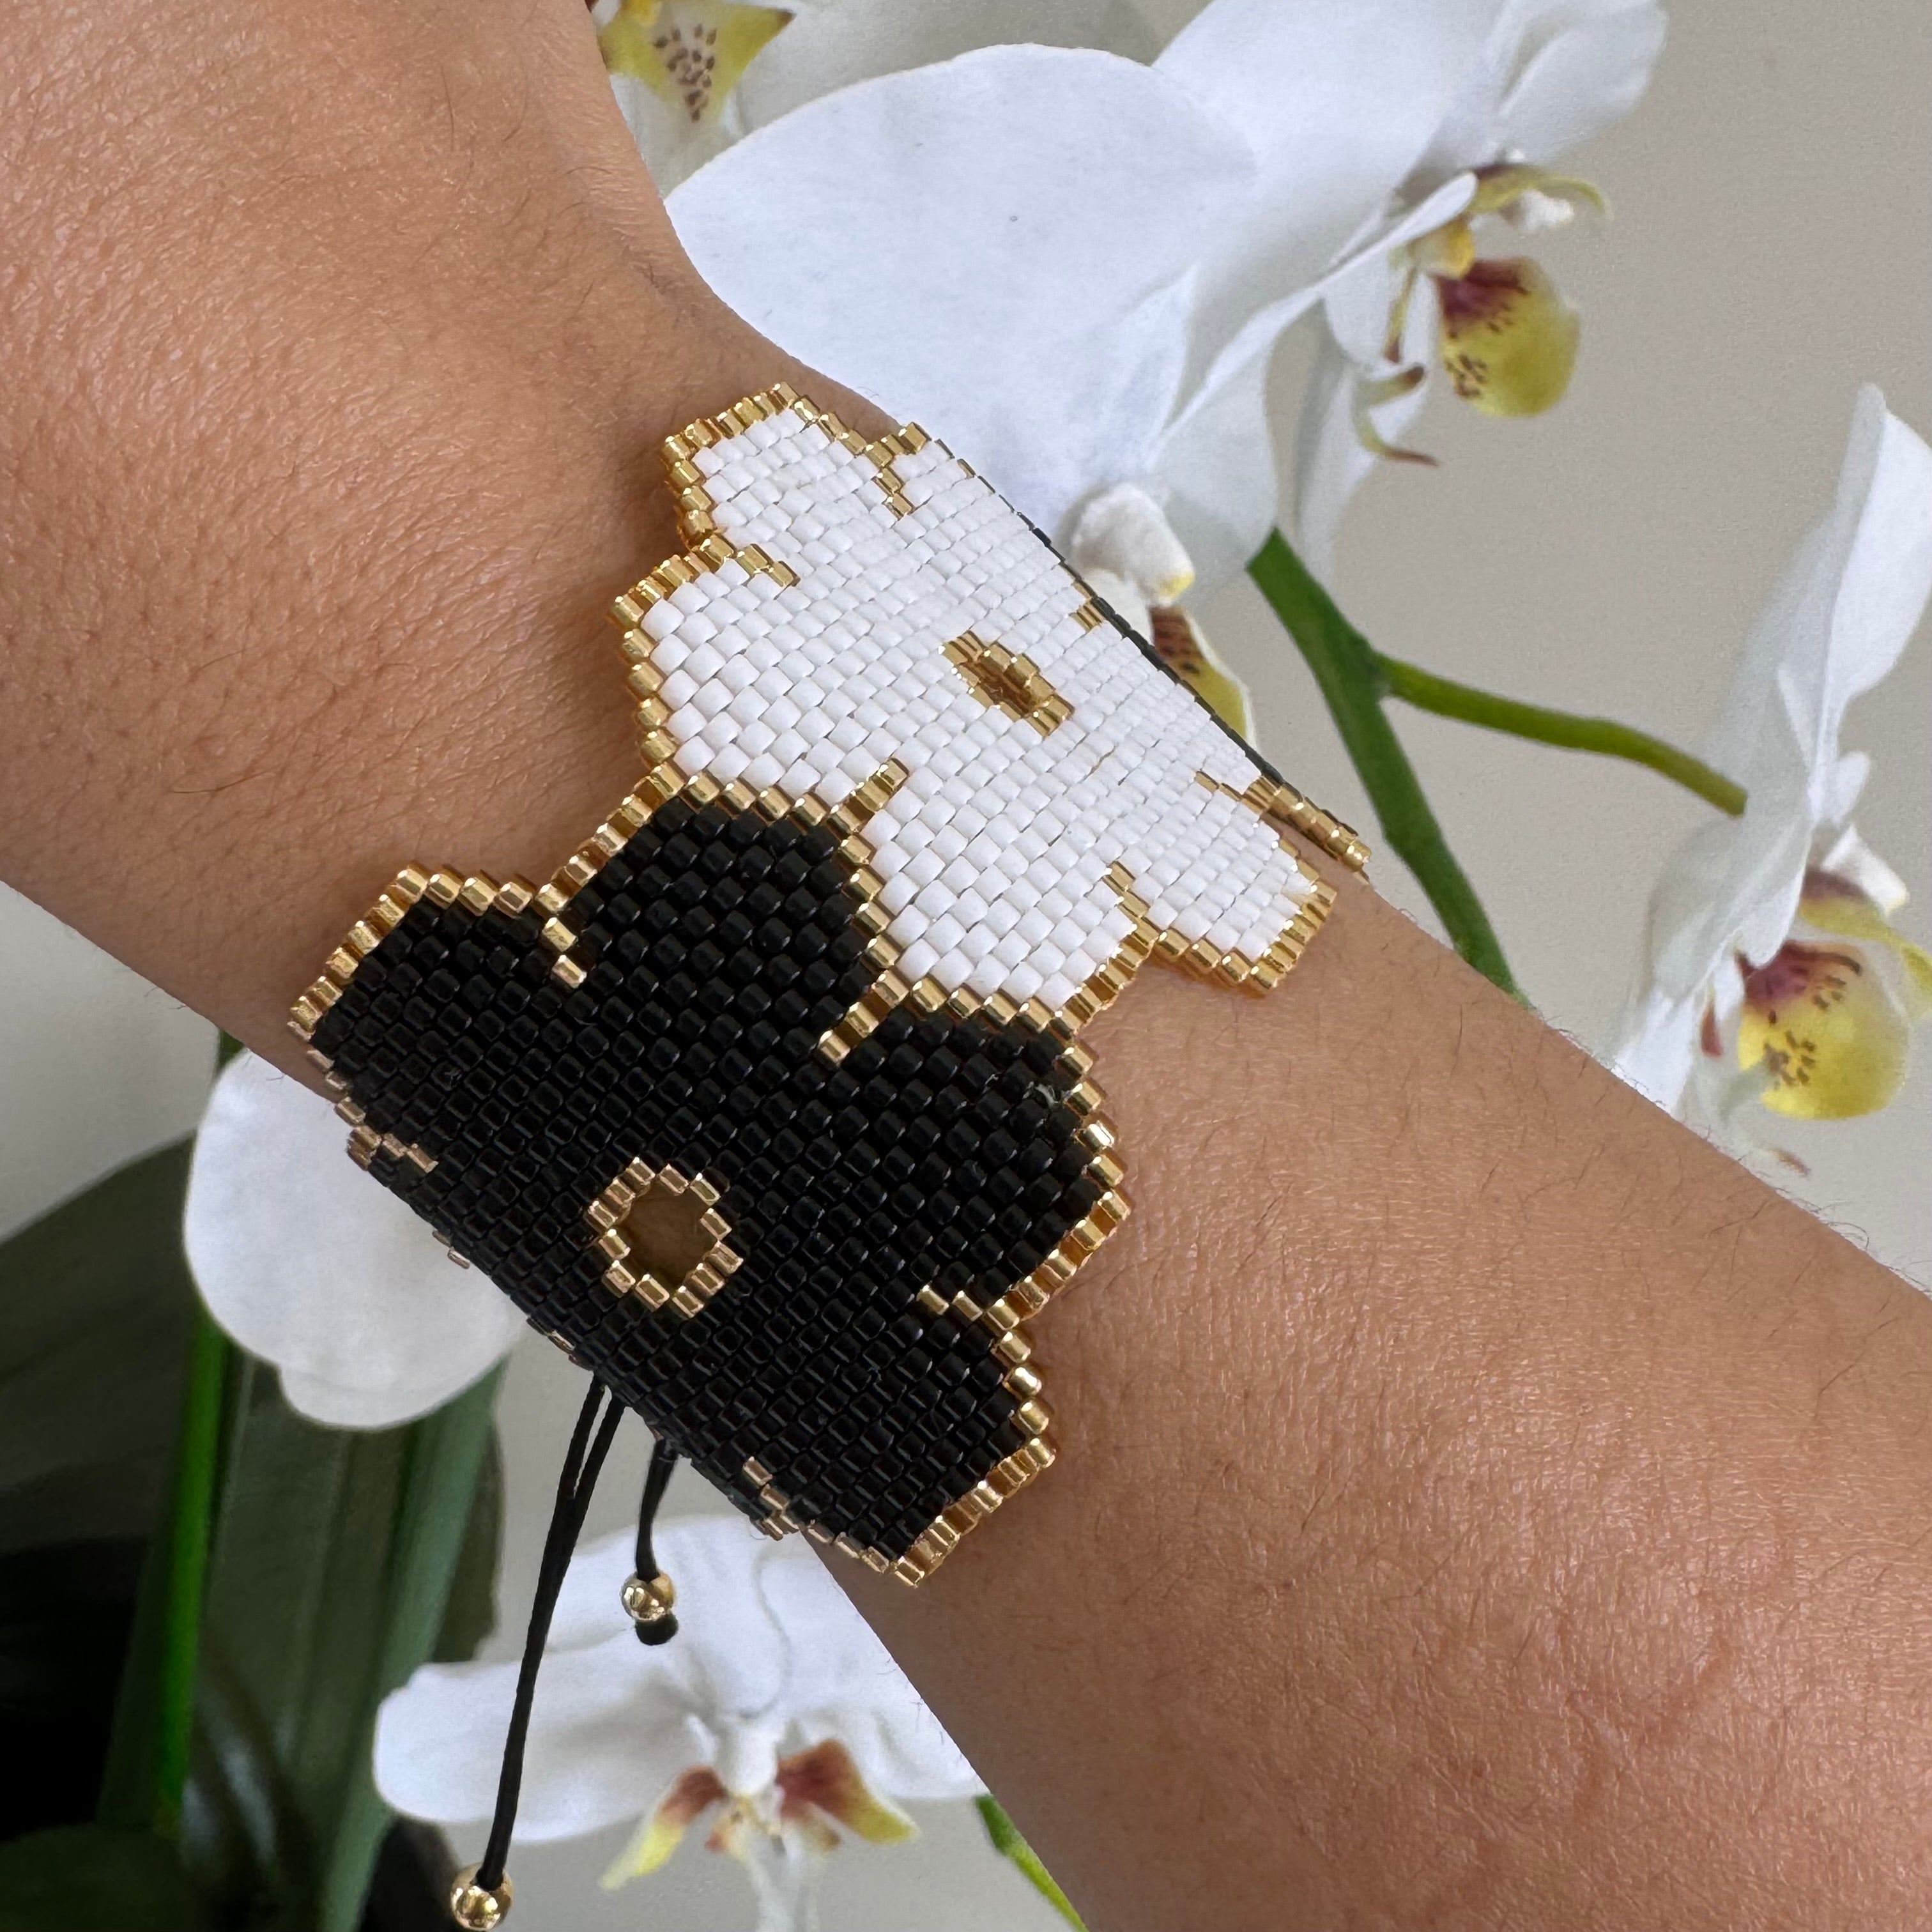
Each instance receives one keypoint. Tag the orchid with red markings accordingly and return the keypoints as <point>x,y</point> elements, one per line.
<point>775,1714</point>
<point>1498,91</point>
<point>1774,974</point>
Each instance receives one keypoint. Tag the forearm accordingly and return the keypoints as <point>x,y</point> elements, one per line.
<point>337,374</point>
<point>1473,1495</point>
<point>1479,1502</point>
<point>1476,1501</point>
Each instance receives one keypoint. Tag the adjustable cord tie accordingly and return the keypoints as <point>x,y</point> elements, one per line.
<point>479,1901</point>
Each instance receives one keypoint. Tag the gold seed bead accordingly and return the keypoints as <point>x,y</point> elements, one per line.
<point>475,1910</point>
<point>648,1600</point>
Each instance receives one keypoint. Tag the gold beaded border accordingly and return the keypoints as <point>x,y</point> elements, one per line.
<point>606,1216</point>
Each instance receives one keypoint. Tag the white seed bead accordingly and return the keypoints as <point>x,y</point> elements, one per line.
<point>997,853</point>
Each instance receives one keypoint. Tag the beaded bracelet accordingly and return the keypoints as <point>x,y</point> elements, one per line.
<point>769,1108</point>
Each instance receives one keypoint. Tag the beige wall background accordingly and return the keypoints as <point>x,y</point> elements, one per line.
<point>1771,249</point>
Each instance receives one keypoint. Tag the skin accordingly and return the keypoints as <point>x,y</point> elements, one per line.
<point>1479,1504</point>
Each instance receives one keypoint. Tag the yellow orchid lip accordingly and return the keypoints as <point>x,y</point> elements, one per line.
<point>1820,1023</point>
<point>1509,338</point>
<point>1179,644</point>
<point>814,1788</point>
<point>692,1793</point>
<point>691,53</point>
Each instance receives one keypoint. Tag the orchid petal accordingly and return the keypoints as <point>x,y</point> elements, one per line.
<point>1837,623</point>
<point>1330,462</point>
<point>340,1405</point>
<point>609,1725</point>
<point>590,1607</point>
<point>309,1263</point>
<point>1332,458</point>
<point>846,1686</point>
<point>1218,463</point>
<point>896,236</point>
<point>829,47</point>
<point>692,1792</point>
<point>1216,458</point>
<point>1338,100</point>
<point>1547,74</point>
<point>1584,79</point>
<point>1657,1050</point>
<point>730,1660</point>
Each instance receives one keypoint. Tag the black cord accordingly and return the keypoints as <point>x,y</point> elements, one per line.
<point>581,1463</point>
<point>664,1460</point>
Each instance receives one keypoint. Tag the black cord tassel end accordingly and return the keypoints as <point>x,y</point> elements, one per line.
<point>648,1594</point>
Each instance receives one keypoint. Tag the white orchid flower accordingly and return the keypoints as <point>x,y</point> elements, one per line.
<point>691,76</point>
<point>1499,90</point>
<point>775,1709</point>
<point>308,1263</point>
<point>1073,267</point>
<point>1773,974</point>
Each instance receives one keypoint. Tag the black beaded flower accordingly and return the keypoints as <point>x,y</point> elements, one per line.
<point>800,1271</point>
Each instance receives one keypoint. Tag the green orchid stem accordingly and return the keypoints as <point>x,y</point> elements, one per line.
<point>148,1759</point>
<point>1349,671</point>
<point>1603,736</point>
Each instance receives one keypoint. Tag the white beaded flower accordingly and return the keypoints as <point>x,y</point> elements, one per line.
<point>1044,805</point>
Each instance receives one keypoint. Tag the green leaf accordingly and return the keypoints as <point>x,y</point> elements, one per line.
<point>64,1612</point>
<point>87,1878</point>
<point>1006,1839</point>
<point>337,1553</point>
<point>98,1308</point>
<point>471,1613</point>
<point>153,1719</point>
<point>336,1562</point>
<point>101,1317</point>
<point>446,1455</point>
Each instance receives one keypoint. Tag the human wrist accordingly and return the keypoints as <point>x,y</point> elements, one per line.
<point>380,626</point>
